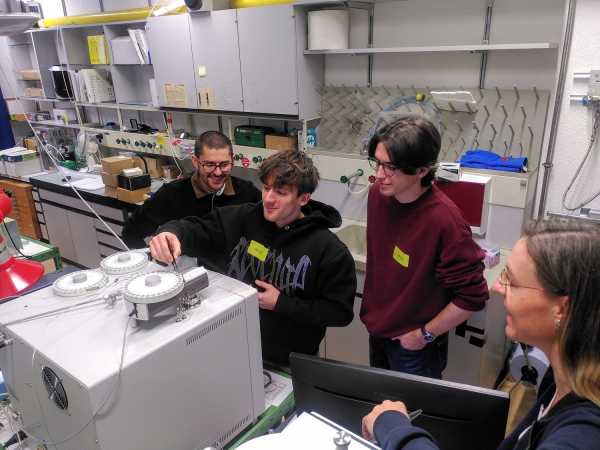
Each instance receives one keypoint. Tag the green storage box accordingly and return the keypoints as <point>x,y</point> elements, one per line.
<point>251,136</point>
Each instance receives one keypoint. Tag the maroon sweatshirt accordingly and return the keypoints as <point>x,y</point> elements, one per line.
<point>420,257</point>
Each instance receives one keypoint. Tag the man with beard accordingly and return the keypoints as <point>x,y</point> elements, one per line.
<point>211,186</point>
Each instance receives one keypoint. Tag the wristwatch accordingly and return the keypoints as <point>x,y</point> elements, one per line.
<point>427,335</point>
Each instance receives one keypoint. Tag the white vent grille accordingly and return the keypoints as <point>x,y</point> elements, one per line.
<point>233,431</point>
<point>213,326</point>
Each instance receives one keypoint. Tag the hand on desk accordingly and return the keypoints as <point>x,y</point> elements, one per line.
<point>267,299</point>
<point>369,420</point>
<point>165,247</point>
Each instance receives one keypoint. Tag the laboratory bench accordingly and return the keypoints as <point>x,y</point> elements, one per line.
<point>68,224</point>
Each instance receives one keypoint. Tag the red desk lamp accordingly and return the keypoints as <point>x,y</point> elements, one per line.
<point>15,274</point>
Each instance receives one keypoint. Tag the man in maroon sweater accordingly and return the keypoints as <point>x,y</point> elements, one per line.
<point>424,272</point>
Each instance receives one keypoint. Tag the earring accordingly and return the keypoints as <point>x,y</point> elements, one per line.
<point>557,324</point>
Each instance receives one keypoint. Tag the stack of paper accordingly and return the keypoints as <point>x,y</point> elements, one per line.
<point>138,38</point>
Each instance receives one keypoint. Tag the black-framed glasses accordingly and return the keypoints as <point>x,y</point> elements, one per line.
<point>210,166</point>
<point>504,281</point>
<point>389,169</point>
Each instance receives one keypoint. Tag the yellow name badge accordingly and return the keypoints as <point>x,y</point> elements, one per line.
<point>258,250</point>
<point>400,257</point>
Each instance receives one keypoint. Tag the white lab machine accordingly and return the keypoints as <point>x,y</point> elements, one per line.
<point>186,382</point>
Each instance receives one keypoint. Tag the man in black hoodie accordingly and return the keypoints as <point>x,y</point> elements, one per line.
<point>305,275</point>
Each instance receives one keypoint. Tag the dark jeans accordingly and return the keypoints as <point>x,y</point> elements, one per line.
<point>429,362</point>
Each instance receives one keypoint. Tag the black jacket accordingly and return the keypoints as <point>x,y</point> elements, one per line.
<point>572,424</point>
<point>176,200</point>
<point>307,263</point>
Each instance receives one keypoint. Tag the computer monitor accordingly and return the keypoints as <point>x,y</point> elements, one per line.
<point>458,416</point>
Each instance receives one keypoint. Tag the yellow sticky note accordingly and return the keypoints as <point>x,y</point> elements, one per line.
<point>161,139</point>
<point>400,257</point>
<point>258,250</point>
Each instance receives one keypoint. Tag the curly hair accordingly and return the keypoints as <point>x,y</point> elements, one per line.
<point>290,168</point>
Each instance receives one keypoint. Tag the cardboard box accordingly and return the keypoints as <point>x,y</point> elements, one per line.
<point>33,92</point>
<point>115,164</point>
<point>30,74</point>
<point>275,142</point>
<point>30,143</point>
<point>132,196</point>
<point>110,191</point>
<point>155,165</point>
<point>110,179</point>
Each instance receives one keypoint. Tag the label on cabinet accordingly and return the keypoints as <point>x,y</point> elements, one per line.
<point>175,95</point>
<point>206,97</point>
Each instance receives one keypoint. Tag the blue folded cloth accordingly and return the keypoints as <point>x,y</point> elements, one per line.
<point>484,159</point>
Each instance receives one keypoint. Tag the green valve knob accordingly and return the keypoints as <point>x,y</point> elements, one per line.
<point>255,159</point>
<point>346,179</point>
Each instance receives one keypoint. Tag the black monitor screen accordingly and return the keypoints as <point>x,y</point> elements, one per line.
<point>458,416</point>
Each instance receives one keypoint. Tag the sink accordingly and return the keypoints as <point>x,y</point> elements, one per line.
<point>355,238</point>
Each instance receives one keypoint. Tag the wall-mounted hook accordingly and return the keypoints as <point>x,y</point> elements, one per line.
<point>452,108</point>
<point>524,111</point>
<point>498,93</point>
<point>476,128</point>
<point>487,112</point>
<point>517,93</point>
<point>504,111</point>
<point>537,95</point>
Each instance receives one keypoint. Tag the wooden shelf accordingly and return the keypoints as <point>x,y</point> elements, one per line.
<point>438,48</point>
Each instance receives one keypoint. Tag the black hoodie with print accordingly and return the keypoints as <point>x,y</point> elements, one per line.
<point>306,262</point>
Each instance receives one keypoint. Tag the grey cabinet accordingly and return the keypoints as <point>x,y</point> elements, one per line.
<point>268,59</point>
<point>57,224</point>
<point>277,77</point>
<point>215,49</point>
<point>83,234</point>
<point>248,60</point>
<point>171,55</point>
<point>349,343</point>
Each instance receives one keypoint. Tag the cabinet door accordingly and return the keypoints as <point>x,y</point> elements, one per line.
<point>350,343</point>
<point>85,240</point>
<point>59,232</point>
<point>268,58</point>
<point>215,48</point>
<point>171,55</point>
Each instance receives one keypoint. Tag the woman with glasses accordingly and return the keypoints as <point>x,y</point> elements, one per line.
<point>211,186</point>
<point>551,290</point>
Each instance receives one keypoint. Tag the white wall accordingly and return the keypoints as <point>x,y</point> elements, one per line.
<point>437,22</point>
<point>576,120</point>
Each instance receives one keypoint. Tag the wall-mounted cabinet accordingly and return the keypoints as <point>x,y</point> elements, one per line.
<point>215,51</point>
<point>247,60</point>
<point>171,54</point>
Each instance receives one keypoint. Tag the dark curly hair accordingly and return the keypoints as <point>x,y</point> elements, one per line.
<point>290,168</point>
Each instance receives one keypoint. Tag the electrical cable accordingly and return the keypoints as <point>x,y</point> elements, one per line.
<point>113,390</point>
<point>268,379</point>
<point>13,243</point>
<point>593,137</point>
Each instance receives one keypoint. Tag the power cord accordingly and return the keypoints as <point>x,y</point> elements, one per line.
<point>13,242</point>
<point>593,137</point>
